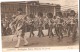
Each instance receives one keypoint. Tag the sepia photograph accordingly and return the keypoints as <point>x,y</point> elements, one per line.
<point>39,23</point>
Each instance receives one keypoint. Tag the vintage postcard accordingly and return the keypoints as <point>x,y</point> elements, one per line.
<point>39,25</point>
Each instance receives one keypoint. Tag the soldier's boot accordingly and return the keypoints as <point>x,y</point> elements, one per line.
<point>61,35</point>
<point>52,34</point>
<point>19,38</point>
<point>22,35</point>
<point>33,34</point>
<point>59,38</point>
<point>42,34</point>
<point>74,36</point>
<point>25,41</point>
<point>69,33</point>
<point>30,34</point>
<point>49,34</point>
<point>39,34</point>
<point>18,42</point>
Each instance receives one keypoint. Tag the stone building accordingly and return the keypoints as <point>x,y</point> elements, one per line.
<point>29,7</point>
<point>10,8</point>
<point>44,8</point>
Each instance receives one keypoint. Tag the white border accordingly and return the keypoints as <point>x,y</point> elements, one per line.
<point>75,50</point>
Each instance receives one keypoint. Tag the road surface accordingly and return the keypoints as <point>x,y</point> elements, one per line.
<point>36,41</point>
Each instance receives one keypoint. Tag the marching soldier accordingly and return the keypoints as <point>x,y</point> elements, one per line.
<point>31,23</point>
<point>54,24</point>
<point>74,25</point>
<point>3,26</point>
<point>19,22</point>
<point>46,22</point>
<point>40,25</point>
<point>59,28</point>
<point>50,23</point>
<point>70,24</point>
<point>6,25</point>
<point>12,27</point>
<point>65,19</point>
<point>74,30</point>
<point>6,20</point>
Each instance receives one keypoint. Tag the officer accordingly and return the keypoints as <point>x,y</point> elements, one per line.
<point>20,29</point>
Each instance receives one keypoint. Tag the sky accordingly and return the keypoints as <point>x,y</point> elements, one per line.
<point>73,4</point>
<point>62,2</point>
<point>66,4</point>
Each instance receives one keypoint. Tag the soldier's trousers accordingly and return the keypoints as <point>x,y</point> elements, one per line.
<point>50,33</point>
<point>58,31</point>
<point>74,32</point>
<point>70,28</point>
<point>23,33</point>
<point>31,30</point>
<point>23,28</point>
<point>4,30</point>
<point>40,32</point>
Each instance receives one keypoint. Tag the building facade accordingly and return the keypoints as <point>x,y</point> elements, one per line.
<point>29,7</point>
<point>35,7</point>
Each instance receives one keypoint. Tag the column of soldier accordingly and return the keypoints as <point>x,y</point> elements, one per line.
<point>61,25</point>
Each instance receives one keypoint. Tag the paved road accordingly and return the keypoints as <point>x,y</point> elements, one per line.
<point>36,41</point>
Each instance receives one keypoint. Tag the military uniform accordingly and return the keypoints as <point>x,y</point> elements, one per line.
<point>40,27</point>
<point>69,25</point>
<point>20,29</point>
<point>73,28</point>
<point>59,28</point>
<point>65,25</point>
<point>31,26</point>
<point>6,26</point>
<point>3,27</point>
<point>50,23</point>
<point>46,22</point>
<point>54,24</point>
<point>19,23</point>
<point>12,27</point>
